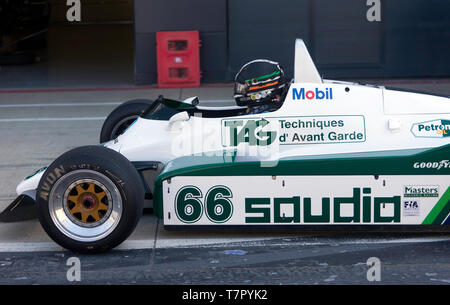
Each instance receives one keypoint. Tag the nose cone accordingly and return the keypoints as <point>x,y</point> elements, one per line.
<point>29,184</point>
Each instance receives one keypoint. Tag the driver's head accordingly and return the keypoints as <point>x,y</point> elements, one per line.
<point>259,82</point>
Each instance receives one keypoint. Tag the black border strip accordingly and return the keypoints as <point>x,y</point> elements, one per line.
<point>312,228</point>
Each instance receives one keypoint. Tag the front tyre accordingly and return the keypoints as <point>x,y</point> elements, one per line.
<point>90,199</point>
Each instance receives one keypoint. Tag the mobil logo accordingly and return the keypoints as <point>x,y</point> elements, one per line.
<point>315,94</point>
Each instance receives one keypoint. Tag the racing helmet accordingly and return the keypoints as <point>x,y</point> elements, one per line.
<point>259,82</point>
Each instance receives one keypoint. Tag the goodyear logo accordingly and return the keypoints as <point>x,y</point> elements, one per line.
<point>431,129</point>
<point>433,165</point>
<point>303,94</point>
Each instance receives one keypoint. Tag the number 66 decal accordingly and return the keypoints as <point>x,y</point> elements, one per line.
<point>217,205</point>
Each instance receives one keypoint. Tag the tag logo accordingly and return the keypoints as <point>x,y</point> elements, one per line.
<point>431,129</point>
<point>252,132</point>
<point>302,94</point>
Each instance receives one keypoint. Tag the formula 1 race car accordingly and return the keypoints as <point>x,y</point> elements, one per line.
<point>334,154</point>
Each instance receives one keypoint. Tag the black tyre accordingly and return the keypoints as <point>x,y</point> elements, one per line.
<point>122,117</point>
<point>90,199</point>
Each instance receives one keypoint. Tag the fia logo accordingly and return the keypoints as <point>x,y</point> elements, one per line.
<point>411,208</point>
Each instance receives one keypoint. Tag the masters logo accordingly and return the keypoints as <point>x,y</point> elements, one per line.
<point>421,191</point>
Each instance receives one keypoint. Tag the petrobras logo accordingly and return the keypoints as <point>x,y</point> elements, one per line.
<point>431,129</point>
<point>309,95</point>
<point>434,165</point>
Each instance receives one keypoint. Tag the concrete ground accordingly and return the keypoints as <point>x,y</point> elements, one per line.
<point>38,125</point>
<point>308,260</point>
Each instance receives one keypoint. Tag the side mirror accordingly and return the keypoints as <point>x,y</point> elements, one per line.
<point>179,117</point>
<point>192,101</point>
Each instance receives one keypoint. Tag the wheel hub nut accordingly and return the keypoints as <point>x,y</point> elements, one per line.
<point>88,202</point>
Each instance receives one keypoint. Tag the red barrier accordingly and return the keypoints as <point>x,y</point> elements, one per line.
<point>178,59</point>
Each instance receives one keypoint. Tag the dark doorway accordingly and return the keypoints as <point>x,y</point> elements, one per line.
<point>94,52</point>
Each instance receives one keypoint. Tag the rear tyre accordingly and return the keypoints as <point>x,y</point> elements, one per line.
<point>121,118</point>
<point>90,199</point>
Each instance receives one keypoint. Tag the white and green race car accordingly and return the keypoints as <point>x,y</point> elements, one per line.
<point>335,154</point>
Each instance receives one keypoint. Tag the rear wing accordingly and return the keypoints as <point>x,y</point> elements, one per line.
<point>304,70</point>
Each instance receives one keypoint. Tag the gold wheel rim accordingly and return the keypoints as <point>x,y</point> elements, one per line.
<point>67,222</point>
<point>87,203</point>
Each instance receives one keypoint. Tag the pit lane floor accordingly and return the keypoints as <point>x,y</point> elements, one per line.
<point>298,260</point>
<point>36,127</point>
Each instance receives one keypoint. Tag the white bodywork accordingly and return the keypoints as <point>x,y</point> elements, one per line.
<point>382,121</point>
<point>385,118</point>
<point>304,188</point>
